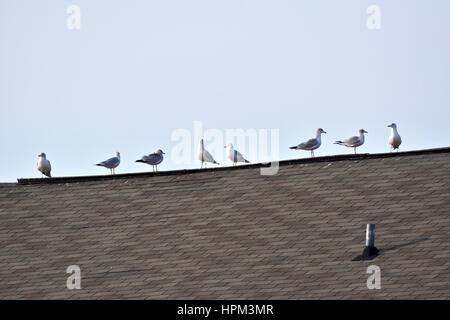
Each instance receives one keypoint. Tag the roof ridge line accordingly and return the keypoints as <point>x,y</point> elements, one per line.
<point>332,158</point>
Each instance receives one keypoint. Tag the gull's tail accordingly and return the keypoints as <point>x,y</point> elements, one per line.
<point>140,160</point>
<point>215,162</point>
<point>339,142</point>
<point>294,148</point>
<point>246,161</point>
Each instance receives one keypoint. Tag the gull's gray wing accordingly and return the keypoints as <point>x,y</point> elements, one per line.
<point>111,162</point>
<point>352,141</point>
<point>207,157</point>
<point>153,159</point>
<point>311,143</point>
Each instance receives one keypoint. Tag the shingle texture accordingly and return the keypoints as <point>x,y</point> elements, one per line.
<point>232,233</point>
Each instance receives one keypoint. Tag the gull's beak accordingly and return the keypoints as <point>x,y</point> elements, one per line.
<point>365,131</point>
<point>325,132</point>
<point>163,152</point>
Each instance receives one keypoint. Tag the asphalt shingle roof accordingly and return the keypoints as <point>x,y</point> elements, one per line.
<point>233,233</point>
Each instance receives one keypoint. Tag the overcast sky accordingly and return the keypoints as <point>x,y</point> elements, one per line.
<point>139,71</point>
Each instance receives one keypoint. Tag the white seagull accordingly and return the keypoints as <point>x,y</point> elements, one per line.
<point>235,155</point>
<point>311,144</point>
<point>153,159</point>
<point>203,155</point>
<point>353,142</point>
<point>111,163</point>
<point>394,139</point>
<point>43,165</point>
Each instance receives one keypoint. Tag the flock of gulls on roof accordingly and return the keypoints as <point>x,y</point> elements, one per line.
<point>154,159</point>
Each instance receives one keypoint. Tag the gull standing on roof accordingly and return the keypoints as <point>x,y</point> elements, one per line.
<point>235,155</point>
<point>43,165</point>
<point>353,142</point>
<point>111,163</point>
<point>394,139</point>
<point>153,159</point>
<point>203,155</point>
<point>311,144</point>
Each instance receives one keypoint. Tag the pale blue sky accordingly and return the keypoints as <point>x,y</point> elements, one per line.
<point>138,70</point>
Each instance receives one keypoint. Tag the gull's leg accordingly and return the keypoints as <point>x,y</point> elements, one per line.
<point>355,149</point>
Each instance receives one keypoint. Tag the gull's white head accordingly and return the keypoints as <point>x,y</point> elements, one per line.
<point>393,126</point>
<point>362,131</point>
<point>118,154</point>
<point>229,145</point>
<point>320,130</point>
<point>159,151</point>
<point>42,155</point>
<point>201,146</point>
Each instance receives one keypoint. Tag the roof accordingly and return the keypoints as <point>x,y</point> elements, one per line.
<point>232,233</point>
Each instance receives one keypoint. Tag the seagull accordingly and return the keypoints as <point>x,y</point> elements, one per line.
<point>203,155</point>
<point>394,139</point>
<point>353,142</point>
<point>153,159</point>
<point>111,163</point>
<point>235,155</point>
<point>311,144</point>
<point>43,165</point>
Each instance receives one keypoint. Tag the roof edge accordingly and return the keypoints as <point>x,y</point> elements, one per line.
<point>333,158</point>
